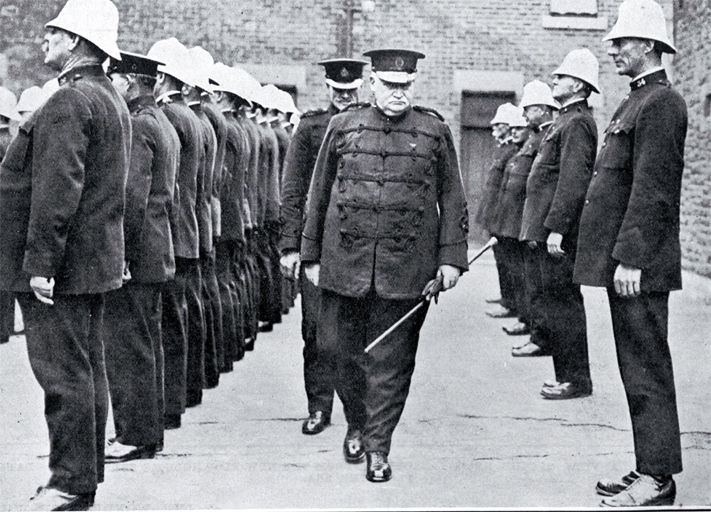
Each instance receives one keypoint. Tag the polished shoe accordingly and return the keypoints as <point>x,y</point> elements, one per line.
<point>248,345</point>
<point>117,452</point>
<point>566,391</point>
<point>48,498</point>
<point>528,350</point>
<point>378,469</point>
<point>646,491</point>
<point>266,326</point>
<point>160,445</point>
<point>550,383</point>
<point>517,329</point>
<point>172,421</point>
<point>316,423</point>
<point>500,312</point>
<point>606,487</point>
<point>353,450</point>
<point>493,301</point>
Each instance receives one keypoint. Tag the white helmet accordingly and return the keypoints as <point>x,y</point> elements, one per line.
<point>643,19</point>
<point>94,20</point>
<point>229,80</point>
<point>503,113</point>
<point>175,55</point>
<point>581,64</point>
<point>31,99</point>
<point>201,63</point>
<point>286,103</point>
<point>538,93</point>
<point>516,118</point>
<point>8,100</point>
<point>251,84</point>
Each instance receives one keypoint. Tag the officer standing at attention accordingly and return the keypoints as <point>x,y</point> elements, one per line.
<point>132,324</point>
<point>7,299</point>
<point>62,242</point>
<point>538,105</point>
<point>181,295</point>
<point>343,78</point>
<point>387,223</point>
<point>629,243</point>
<point>555,193</point>
<point>504,151</point>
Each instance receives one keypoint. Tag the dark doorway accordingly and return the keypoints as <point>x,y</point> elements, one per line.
<point>477,148</point>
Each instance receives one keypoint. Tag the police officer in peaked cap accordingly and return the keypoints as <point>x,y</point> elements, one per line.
<point>343,78</point>
<point>387,225</point>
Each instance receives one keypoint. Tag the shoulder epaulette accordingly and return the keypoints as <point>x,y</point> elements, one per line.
<point>314,112</point>
<point>429,111</point>
<point>355,106</point>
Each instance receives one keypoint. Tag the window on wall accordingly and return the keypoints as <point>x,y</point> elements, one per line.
<point>573,15</point>
<point>574,7</point>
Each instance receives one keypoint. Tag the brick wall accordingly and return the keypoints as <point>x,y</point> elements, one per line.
<point>692,79</point>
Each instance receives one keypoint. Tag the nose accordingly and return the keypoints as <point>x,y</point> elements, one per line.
<point>613,50</point>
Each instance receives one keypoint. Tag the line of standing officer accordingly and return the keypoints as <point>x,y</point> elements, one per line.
<point>343,78</point>
<point>62,200</point>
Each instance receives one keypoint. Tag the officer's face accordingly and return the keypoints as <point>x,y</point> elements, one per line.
<point>392,98</point>
<point>499,130</point>
<point>519,134</point>
<point>120,83</point>
<point>629,55</point>
<point>57,46</point>
<point>534,114</point>
<point>341,98</point>
<point>565,87</point>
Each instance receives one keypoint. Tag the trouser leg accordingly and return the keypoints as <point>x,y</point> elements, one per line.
<point>213,319</point>
<point>640,328</point>
<point>66,352</point>
<point>507,285</point>
<point>175,340</point>
<point>196,331</point>
<point>340,333</point>
<point>7,315</point>
<point>535,297</point>
<point>319,371</point>
<point>131,333</point>
<point>226,283</point>
<point>564,317</point>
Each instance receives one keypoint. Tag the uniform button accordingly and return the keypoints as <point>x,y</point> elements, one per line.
<point>604,144</point>
<point>587,201</point>
<point>595,173</point>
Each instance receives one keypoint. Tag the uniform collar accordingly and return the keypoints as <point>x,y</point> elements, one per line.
<point>657,75</point>
<point>168,97</point>
<point>141,101</point>
<point>79,72</point>
<point>574,105</point>
<point>544,126</point>
<point>196,106</point>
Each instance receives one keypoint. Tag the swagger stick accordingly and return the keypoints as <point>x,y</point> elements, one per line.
<point>491,243</point>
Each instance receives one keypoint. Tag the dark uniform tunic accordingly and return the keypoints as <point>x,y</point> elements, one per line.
<point>132,323</point>
<point>231,245</point>
<point>210,295</point>
<point>485,217</point>
<point>298,169</point>
<point>555,192</point>
<point>631,216</point>
<point>7,299</point>
<point>184,229</point>
<point>61,204</point>
<point>507,221</point>
<point>387,208</point>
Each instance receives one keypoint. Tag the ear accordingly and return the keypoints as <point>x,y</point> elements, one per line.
<point>160,78</point>
<point>186,90</point>
<point>371,78</point>
<point>73,41</point>
<point>648,45</point>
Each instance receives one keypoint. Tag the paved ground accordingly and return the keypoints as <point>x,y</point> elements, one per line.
<point>474,433</point>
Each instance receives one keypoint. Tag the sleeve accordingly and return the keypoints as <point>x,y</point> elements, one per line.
<point>578,145</point>
<point>138,185</point>
<point>295,186</point>
<point>454,216</point>
<point>61,139</point>
<point>657,168</point>
<point>320,195</point>
<point>271,213</point>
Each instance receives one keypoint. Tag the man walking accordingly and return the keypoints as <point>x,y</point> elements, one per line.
<point>343,78</point>
<point>629,243</point>
<point>387,223</point>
